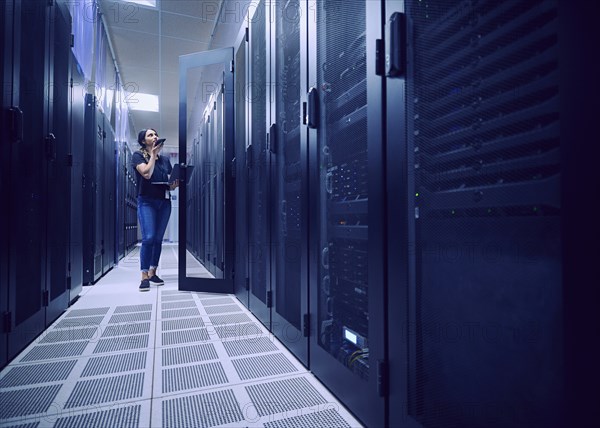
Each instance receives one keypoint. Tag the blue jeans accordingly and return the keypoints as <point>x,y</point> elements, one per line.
<point>153,215</point>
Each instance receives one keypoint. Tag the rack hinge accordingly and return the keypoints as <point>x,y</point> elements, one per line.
<point>395,46</point>
<point>72,40</point>
<point>247,34</point>
<point>69,160</point>
<point>45,298</point>
<point>381,378</point>
<point>231,66</point>
<point>68,282</point>
<point>269,299</point>
<point>379,57</point>
<point>7,318</point>
<point>306,325</point>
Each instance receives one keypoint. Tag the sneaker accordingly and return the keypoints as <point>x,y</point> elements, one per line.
<point>156,280</point>
<point>145,285</point>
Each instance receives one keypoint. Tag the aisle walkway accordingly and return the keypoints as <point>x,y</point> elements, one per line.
<point>164,358</point>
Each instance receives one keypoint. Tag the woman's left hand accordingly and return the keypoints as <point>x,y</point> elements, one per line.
<point>174,185</point>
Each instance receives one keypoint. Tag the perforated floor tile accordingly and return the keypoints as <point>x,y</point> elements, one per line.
<point>68,335</point>
<point>193,377</point>
<point>255,345</point>
<point>103,390</point>
<point>229,319</point>
<point>217,301</point>
<point>115,364</point>
<point>32,374</point>
<point>58,350</point>
<point>24,402</point>
<point>325,418</point>
<point>122,343</point>
<point>283,395</point>
<point>79,322</point>
<point>126,329</point>
<point>128,416</point>
<point>201,410</point>
<point>211,310</point>
<point>86,312</point>
<point>133,308</point>
<point>180,313</point>
<point>263,366</point>
<point>181,324</point>
<point>178,305</point>
<point>184,336</point>
<point>188,354</point>
<point>239,330</point>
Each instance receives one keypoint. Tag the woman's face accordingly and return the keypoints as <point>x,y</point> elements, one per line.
<point>151,137</point>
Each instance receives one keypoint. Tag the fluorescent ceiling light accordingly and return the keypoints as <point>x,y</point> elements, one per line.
<point>140,101</point>
<point>151,3</point>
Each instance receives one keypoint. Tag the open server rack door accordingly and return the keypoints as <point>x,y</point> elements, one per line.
<point>287,149</point>
<point>77,173</point>
<point>483,124</point>
<point>239,164</point>
<point>258,169</point>
<point>344,117</point>
<point>58,161</point>
<point>27,172</point>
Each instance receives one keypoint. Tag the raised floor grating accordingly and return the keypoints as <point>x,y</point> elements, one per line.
<point>255,345</point>
<point>79,322</point>
<point>283,396</point>
<point>174,292</point>
<point>188,354</point>
<point>126,329</point>
<point>238,330</point>
<point>122,343</point>
<point>229,319</point>
<point>128,416</point>
<point>58,350</point>
<point>181,324</point>
<point>202,410</point>
<point>105,390</point>
<point>177,297</point>
<point>180,313</point>
<point>29,425</point>
<point>185,336</point>
<point>115,364</point>
<point>211,310</point>
<point>37,373</point>
<point>178,305</point>
<point>86,312</point>
<point>132,317</point>
<point>192,377</point>
<point>30,401</point>
<point>133,308</point>
<point>217,301</point>
<point>263,366</point>
<point>325,418</point>
<point>70,334</point>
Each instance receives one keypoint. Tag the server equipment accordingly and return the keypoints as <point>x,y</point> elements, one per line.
<point>36,176</point>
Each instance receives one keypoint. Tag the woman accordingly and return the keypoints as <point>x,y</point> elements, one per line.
<point>154,202</point>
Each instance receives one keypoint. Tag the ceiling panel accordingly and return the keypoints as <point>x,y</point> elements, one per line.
<point>205,9</point>
<point>130,16</point>
<point>135,48</point>
<point>185,27</point>
<point>172,49</point>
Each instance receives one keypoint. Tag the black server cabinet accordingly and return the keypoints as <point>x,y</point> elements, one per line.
<point>77,142</point>
<point>288,158</point>
<point>6,67</point>
<point>347,348</point>
<point>483,157</point>
<point>93,187</point>
<point>121,205</point>
<point>108,197</point>
<point>59,162</point>
<point>260,299</point>
<point>131,220</point>
<point>27,172</point>
<point>239,165</point>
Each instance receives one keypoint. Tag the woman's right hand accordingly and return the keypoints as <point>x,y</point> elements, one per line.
<point>155,150</point>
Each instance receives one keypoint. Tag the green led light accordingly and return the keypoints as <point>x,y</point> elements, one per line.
<point>417,194</point>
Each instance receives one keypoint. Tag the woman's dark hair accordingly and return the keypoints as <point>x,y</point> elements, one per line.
<point>142,136</point>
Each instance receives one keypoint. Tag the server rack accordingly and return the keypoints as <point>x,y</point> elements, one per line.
<point>5,76</point>
<point>131,222</point>
<point>288,158</point>
<point>77,142</point>
<point>240,168</point>
<point>260,297</point>
<point>347,348</point>
<point>483,212</point>
<point>34,265</point>
<point>59,161</point>
<point>93,189</point>
<point>121,205</point>
<point>108,203</point>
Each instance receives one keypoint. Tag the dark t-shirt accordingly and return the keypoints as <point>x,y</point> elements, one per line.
<point>162,169</point>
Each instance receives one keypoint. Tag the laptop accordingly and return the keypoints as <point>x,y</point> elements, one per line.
<point>176,174</point>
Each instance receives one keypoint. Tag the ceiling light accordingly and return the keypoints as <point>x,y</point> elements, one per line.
<point>140,101</point>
